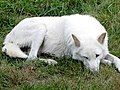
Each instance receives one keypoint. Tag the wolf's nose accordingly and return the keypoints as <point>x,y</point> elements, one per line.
<point>2,45</point>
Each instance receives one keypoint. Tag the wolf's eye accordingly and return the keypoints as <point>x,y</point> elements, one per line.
<point>97,55</point>
<point>85,57</point>
<point>5,50</point>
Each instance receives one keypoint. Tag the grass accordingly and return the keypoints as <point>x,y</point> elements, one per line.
<point>18,74</point>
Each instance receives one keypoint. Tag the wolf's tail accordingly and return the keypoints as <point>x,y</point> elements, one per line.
<point>13,50</point>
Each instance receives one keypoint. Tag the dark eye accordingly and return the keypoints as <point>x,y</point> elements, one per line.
<point>5,50</point>
<point>97,55</point>
<point>85,57</point>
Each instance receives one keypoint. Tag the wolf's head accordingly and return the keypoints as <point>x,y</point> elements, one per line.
<point>90,52</point>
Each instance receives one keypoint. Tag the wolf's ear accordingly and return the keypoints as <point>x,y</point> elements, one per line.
<point>76,41</point>
<point>101,38</point>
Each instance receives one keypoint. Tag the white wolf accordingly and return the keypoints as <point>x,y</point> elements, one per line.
<point>79,36</point>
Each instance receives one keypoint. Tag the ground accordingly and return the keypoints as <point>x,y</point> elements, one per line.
<point>18,74</point>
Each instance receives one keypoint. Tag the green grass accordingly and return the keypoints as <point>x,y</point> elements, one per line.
<point>18,74</point>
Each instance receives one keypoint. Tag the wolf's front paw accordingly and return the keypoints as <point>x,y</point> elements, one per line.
<point>31,57</point>
<point>118,67</point>
<point>117,64</point>
<point>106,61</point>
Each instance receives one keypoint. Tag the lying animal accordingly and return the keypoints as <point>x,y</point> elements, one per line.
<point>79,36</point>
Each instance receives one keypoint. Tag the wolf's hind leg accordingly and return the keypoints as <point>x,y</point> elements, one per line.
<point>48,61</point>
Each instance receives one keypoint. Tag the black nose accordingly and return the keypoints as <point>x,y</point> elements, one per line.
<point>2,45</point>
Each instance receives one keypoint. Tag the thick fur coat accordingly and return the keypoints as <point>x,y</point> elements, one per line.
<point>79,36</point>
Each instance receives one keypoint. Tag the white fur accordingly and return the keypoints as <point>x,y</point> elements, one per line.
<point>54,36</point>
<point>13,51</point>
